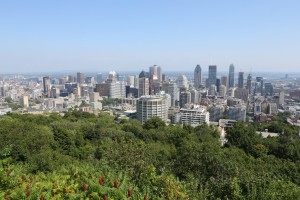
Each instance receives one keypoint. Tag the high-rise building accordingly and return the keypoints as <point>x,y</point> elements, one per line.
<point>197,76</point>
<point>249,84</point>
<point>46,86</point>
<point>143,84</point>
<point>80,77</point>
<point>231,76</point>
<point>259,86</point>
<point>99,78</point>
<point>241,80</point>
<point>218,84</point>
<point>159,73</point>
<point>174,92</point>
<point>268,89</point>
<point>212,75</point>
<point>182,81</point>
<point>222,91</point>
<point>130,81</point>
<point>71,79</point>
<point>185,98</point>
<point>224,81</point>
<point>151,106</point>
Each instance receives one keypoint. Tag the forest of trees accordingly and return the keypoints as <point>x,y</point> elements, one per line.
<point>83,156</point>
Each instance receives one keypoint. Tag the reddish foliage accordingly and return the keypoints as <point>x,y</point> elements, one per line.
<point>101,181</point>
<point>22,178</point>
<point>42,197</point>
<point>129,191</point>
<point>6,197</point>
<point>116,185</point>
<point>30,179</point>
<point>145,197</point>
<point>27,193</point>
<point>84,186</point>
<point>105,198</point>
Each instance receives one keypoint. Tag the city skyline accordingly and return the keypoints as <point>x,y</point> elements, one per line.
<point>44,36</point>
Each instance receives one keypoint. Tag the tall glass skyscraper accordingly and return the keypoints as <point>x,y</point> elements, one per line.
<point>197,76</point>
<point>212,75</point>
<point>241,80</point>
<point>231,76</point>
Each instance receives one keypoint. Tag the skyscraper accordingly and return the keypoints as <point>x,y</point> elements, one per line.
<point>197,76</point>
<point>46,86</point>
<point>80,77</point>
<point>212,75</point>
<point>159,73</point>
<point>231,76</point>
<point>241,80</point>
<point>224,81</point>
<point>249,83</point>
<point>143,84</point>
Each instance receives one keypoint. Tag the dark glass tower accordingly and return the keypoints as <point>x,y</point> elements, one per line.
<point>197,76</point>
<point>231,76</point>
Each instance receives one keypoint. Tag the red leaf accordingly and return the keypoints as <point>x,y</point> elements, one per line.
<point>116,185</point>
<point>84,186</point>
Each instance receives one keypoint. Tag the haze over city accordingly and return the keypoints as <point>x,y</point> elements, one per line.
<point>50,36</point>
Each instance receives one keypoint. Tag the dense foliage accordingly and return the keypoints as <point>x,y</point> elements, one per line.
<point>82,156</point>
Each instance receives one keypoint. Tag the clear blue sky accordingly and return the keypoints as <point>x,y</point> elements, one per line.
<point>56,35</point>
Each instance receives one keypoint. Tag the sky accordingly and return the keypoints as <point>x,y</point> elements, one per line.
<point>103,35</point>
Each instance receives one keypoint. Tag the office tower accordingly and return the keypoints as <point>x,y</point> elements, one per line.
<point>136,81</point>
<point>153,70</point>
<point>80,77</point>
<point>224,81</point>
<point>195,96</point>
<point>117,90</point>
<point>218,84</point>
<point>112,77</point>
<point>223,90</point>
<point>212,75</point>
<point>197,76</point>
<point>159,73</point>
<point>249,83</point>
<point>231,76</point>
<point>151,106</point>
<point>212,90</point>
<point>143,84</point>
<point>130,81</point>
<point>174,92</point>
<point>259,86</point>
<point>268,89</point>
<point>241,93</point>
<point>184,98</point>
<point>163,77</point>
<point>99,78</point>
<point>182,81</point>
<point>46,85</point>
<point>71,79</point>
<point>241,80</point>
<point>54,92</point>
<point>89,80</point>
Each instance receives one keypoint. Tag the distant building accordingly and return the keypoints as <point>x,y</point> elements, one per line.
<point>231,76</point>
<point>241,80</point>
<point>212,75</point>
<point>182,81</point>
<point>144,87</point>
<point>99,78</point>
<point>194,117</point>
<point>80,77</point>
<point>241,93</point>
<point>46,86</point>
<point>237,113</point>
<point>224,81</point>
<point>268,89</point>
<point>197,76</point>
<point>249,84</point>
<point>151,106</point>
<point>24,101</point>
